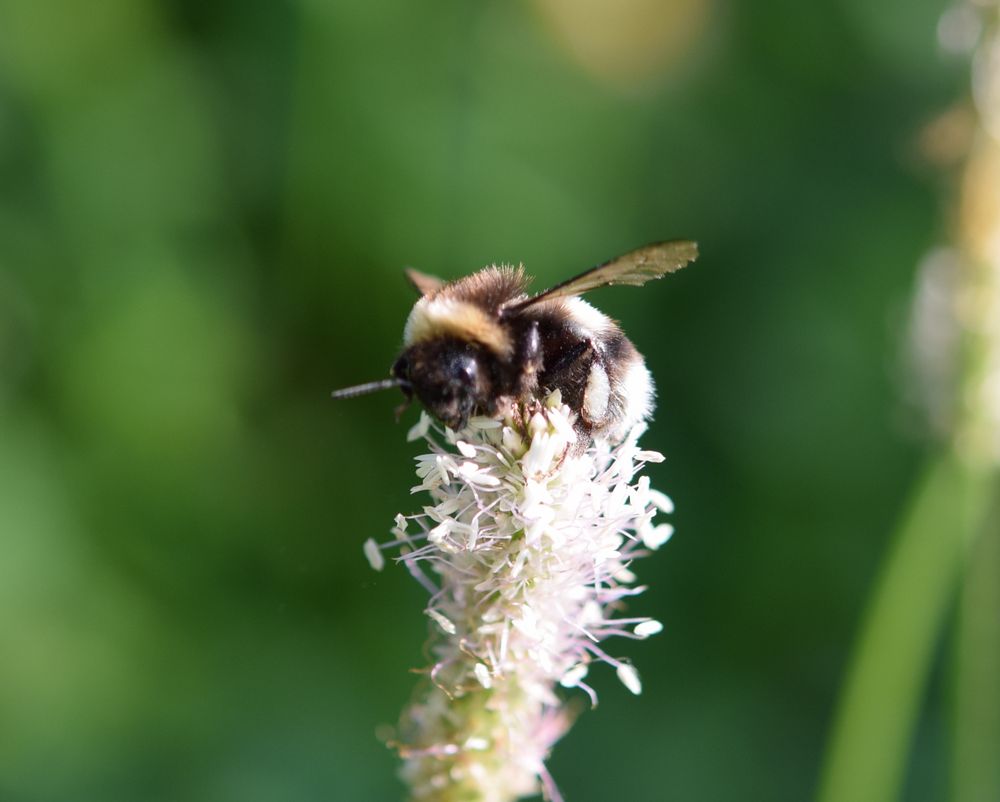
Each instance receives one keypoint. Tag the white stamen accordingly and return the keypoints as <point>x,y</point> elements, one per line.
<point>442,621</point>
<point>662,501</point>
<point>655,536</point>
<point>629,678</point>
<point>374,554</point>
<point>573,676</point>
<point>647,628</point>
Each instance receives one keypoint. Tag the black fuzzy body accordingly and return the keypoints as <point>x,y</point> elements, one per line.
<point>530,352</point>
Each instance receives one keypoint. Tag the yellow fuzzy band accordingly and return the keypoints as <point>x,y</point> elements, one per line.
<point>436,317</point>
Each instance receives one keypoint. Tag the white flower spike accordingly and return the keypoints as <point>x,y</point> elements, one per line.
<point>528,539</point>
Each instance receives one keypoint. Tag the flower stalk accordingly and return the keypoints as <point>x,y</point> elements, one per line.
<point>525,551</point>
<point>945,542</point>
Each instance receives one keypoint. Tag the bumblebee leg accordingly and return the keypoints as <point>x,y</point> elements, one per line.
<point>582,377</point>
<point>569,360</point>
<point>596,394</point>
<point>401,408</point>
<point>407,399</point>
<point>529,360</point>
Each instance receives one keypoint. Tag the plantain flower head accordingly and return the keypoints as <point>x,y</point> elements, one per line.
<point>525,550</point>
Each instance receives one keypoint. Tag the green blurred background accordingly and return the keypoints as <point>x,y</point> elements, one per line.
<point>204,213</point>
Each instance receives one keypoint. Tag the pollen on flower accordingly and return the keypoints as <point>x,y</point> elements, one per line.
<point>526,549</point>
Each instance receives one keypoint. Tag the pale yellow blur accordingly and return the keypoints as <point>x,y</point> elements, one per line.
<point>627,43</point>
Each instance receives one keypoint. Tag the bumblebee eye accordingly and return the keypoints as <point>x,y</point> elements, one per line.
<point>467,369</point>
<point>401,368</point>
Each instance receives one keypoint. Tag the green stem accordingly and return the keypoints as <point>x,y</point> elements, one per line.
<point>877,713</point>
<point>976,745</point>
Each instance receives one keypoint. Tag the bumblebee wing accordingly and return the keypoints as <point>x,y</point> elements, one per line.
<point>423,283</point>
<point>635,268</point>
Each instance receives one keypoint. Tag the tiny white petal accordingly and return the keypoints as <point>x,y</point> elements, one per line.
<point>527,622</point>
<point>443,622</point>
<point>564,428</point>
<point>515,572</point>
<point>483,675</point>
<point>536,496</point>
<point>443,510</point>
<point>629,678</point>
<point>648,628</point>
<point>537,424</point>
<point>618,498</point>
<point>535,531</point>
<point>401,522</point>
<point>443,464</point>
<point>541,453</point>
<point>374,554</point>
<point>420,428</point>
<point>466,449</point>
<point>511,440</point>
<point>476,475</point>
<point>439,532</point>
<point>649,456</point>
<point>476,744</point>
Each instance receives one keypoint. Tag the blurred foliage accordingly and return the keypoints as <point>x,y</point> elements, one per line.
<point>204,212</point>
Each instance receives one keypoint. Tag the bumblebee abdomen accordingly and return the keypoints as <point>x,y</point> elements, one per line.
<point>596,368</point>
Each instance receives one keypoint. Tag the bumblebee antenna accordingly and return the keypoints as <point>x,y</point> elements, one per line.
<point>370,387</point>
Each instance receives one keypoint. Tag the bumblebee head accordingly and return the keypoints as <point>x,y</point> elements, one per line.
<point>449,377</point>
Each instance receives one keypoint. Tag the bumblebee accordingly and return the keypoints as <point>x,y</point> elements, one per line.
<point>480,343</point>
